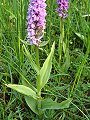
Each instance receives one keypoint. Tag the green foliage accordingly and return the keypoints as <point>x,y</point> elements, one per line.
<point>46,68</point>
<point>71,78</point>
<point>50,104</point>
<point>23,89</point>
<point>32,103</point>
<point>32,63</point>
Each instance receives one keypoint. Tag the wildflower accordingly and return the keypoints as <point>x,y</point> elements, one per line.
<point>36,21</point>
<point>62,8</point>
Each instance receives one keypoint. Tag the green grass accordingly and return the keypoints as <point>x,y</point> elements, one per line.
<point>72,78</point>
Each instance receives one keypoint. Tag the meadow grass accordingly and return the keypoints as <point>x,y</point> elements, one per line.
<point>69,79</point>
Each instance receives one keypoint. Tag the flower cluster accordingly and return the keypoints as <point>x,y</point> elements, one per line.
<point>36,21</point>
<point>62,8</point>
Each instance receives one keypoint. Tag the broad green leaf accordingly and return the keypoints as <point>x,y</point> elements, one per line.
<point>23,89</point>
<point>46,68</point>
<point>50,104</point>
<point>32,63</point>
<point>32,103</point>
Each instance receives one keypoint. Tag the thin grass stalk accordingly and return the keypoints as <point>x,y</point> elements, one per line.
<point>78,74</point>
<point>22,29</point>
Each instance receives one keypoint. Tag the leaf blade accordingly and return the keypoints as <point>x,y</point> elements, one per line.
<point>46,68</point>
<point>50,104</point>
<point>23,89</point>
<point>32,103</point>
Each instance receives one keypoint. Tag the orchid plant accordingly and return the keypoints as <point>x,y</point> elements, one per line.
<point>62,10</point>
<point>32,94</point>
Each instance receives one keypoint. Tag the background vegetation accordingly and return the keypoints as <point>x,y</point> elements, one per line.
<point>71,78</point>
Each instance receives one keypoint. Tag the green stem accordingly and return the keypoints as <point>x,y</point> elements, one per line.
<point>60,47</point>
<point>38,76</point>
<point>38,83</point>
